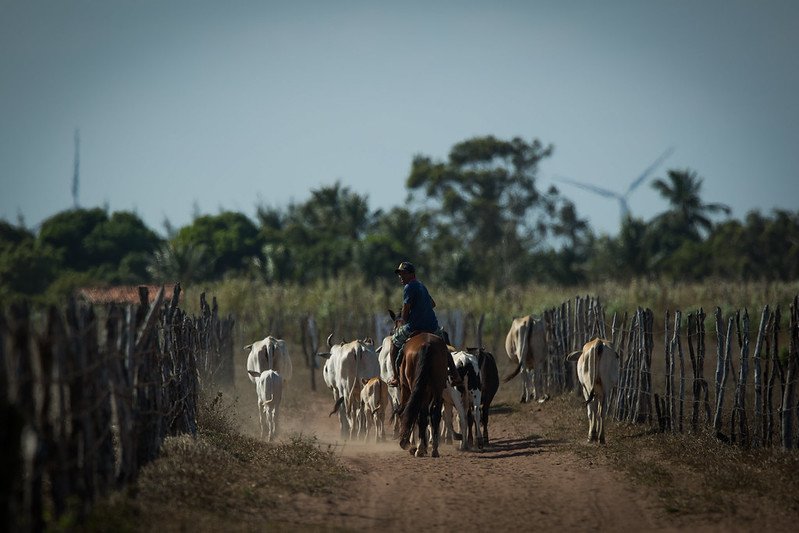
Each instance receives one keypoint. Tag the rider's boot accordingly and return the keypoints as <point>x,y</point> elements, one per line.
<point>393,356</point>
<point>454,376</point>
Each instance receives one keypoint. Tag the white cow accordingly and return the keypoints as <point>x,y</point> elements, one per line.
<point>454,400</point>
<point>269,386</point>
<point>269,354</point>
<point>471,395</point>
<point>527,347</point>
<point>374,402</point>
<point>387,374</point>
<point>346,365</point>
<point>598,373</point>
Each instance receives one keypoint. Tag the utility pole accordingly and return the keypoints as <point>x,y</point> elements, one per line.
<point>76,171</point>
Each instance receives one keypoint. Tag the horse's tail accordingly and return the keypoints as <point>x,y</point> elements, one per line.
<point>410,411</point>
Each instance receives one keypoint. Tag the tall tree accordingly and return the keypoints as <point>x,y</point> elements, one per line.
<point>485,195</point>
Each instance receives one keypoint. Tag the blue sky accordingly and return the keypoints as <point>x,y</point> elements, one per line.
<point>201,106</point>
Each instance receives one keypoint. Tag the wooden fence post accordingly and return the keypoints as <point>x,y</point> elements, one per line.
<point>723,378</point>
<point>678,344</point>
<point>740,391</point>
<point>788,404</point>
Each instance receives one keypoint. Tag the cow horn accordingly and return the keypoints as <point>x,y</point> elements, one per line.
<point>324,355</point>
<point>571,357</point>
<point>330,340</point>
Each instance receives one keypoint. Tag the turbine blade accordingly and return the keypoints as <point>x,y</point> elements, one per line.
<point>651,168</point>
<point>593,188</point>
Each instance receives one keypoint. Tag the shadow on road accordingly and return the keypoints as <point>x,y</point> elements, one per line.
<point>517,447</point>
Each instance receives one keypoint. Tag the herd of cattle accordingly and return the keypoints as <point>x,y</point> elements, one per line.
<point>357,373</point>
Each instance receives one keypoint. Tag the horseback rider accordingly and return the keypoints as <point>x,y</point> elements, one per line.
<point>417,316</point>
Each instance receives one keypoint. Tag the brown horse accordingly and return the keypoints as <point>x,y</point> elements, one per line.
<point>423,378</point>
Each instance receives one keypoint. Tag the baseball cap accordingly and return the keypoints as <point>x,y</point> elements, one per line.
<point>405,266</point>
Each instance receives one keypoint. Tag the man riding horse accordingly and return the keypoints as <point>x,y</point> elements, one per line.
<point>417,316</point>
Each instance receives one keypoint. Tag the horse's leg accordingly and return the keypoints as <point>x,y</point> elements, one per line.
<point>421,450</point>
<point>435,420</point>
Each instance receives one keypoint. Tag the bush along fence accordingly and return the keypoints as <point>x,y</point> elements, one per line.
<point>88,394</point>
<point>754,411</point>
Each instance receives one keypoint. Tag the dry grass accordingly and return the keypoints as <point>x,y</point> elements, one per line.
<point>692,474</point>
<point>219,481</point>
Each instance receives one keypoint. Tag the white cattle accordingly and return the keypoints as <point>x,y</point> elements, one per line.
<point>374,402</point>
<point>346,365</point>
<point>598,373</point>
<point>454,400</point>
<point>387,374</point>
<point>471,395</point>
<point>269,354</point>
<point>527,347</point>
<point>269,387</point>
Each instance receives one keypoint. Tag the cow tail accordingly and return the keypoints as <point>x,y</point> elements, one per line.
<point>411,410</point>
<point>594,362</point>
<point>514,373</point>
<point>335,407</point>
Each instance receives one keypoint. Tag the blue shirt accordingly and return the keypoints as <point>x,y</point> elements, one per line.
<point>421,316</point>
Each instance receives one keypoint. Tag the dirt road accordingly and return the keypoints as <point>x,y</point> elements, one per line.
<point>522,480</point>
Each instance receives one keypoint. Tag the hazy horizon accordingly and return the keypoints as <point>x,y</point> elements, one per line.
<point>186,106</point>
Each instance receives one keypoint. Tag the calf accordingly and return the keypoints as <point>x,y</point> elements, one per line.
<point>374,402</point>
<point>346,364</point>
<point>269,354</point>
<point>472,394</point>
<point>598,373</point>
<point>269,386</point>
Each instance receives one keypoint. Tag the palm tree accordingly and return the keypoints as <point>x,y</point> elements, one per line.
<point>175,261</point>
<point>687,213</point>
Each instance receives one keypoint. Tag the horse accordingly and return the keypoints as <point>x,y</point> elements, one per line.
<point>423,378</point>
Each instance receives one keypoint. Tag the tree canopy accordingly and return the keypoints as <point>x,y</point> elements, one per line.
<point>476,218</point>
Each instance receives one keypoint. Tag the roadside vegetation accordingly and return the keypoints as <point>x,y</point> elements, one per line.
<point>220,480</point>
<point>476,220</point>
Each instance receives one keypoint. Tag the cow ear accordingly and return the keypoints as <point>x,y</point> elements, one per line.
<point>392,315</point>
<point>574,356</point>
<point>253,374</point>
<point>247,347</point>
<point>364,381</point>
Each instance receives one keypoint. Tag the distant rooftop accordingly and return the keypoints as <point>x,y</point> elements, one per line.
<point>127,294</point>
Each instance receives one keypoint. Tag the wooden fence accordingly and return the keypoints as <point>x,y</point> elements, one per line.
<point>88,394</point>
<point>742,410</point>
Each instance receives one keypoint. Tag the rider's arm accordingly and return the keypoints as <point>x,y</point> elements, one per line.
<point>406,311</point>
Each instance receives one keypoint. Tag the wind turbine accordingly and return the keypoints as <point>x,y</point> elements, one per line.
<point>622,198</point>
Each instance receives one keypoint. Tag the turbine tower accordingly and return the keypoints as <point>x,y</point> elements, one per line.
<point>624,207</point>
<point>76,171</point>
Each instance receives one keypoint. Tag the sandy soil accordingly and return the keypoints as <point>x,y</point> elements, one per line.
<point>521,481</point>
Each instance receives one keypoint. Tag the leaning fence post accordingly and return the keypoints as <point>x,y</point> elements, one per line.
<point>725,353</point>
<point>740,391</point>
<point>757,440</point>
<point>788,406</point>
<point>678,344</point>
